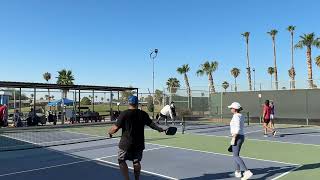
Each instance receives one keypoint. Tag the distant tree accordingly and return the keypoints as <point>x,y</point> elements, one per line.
<point>273,34</point>
<point>292,72</point>
<point>158,97</point>
<point>125,95</point>
<point>172,85</point>
<point>183,70</point>
<point>102,99</point>
<point>208,68</point>
<point>17,92</point>
<point>235,72</point>
<point>85,101</point>
<point>308,41</point>
<point>246,35</point>
<point>150,105</point>
<point>225,85</point>
<point>271,72</point>
<point>65,77</point>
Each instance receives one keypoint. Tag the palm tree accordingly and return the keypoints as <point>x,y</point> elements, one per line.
<point>292,72</point>
<point>208,68</point>
<point>172,85</point>
<point>225,86</point>
<point>246,36</point>
<point>271,72</point>
<point>308,41</point>
<point>317,60</point>
<point>65,78</point>
<point>235,72</point>
<point>273,34</point>
<point>183,70</point>
<point>47,77</point>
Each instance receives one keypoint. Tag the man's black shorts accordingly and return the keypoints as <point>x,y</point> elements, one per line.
<point>135,155</point>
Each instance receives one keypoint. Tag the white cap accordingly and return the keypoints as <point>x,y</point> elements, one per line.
<point>235,105</point>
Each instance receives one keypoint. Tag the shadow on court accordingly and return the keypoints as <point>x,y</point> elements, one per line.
<point>300,133</point>
<point>49,164</point>
<point>309,167</point>
<point>266,172</point>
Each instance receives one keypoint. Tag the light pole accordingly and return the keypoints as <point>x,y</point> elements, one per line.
<point>153,56</point>
<point>254,79</point>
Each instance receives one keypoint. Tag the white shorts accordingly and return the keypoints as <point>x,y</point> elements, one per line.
<point>271,116</point>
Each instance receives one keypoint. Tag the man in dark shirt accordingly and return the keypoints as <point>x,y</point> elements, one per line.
<point>131,145</point>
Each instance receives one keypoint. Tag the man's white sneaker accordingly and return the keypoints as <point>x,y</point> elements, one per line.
<point>238,174</point>
<point>247,175</point>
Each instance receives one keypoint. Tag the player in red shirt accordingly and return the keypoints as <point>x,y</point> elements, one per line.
<point>266,119</point>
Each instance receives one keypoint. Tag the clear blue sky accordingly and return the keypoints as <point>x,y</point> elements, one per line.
<point>107,42</point>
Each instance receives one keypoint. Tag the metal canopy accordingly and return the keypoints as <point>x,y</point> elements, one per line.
<point>8,84</point>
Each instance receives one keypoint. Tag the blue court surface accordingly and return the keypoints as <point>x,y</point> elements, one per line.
<point>98,160</point>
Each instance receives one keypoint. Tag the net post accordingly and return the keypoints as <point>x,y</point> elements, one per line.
<point>183,125</point>
<point>248,118</point>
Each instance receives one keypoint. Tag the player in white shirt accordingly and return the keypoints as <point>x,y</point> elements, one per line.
<point>237,133</point>
<point>168,111</point>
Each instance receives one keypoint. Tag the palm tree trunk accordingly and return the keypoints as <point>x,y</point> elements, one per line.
<point>235,85</point>
<point>293,83</point>
<point>211,85</point>
<point>275,63</point>
<point>248,66</point>
<point>271,82</point>
<point>188,90</point>
<point>309,64</point>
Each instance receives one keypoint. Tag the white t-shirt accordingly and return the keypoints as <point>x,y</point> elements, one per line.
<point>167,111</point>
<point>237,124</point>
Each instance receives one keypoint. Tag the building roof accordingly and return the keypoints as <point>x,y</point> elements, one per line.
<point>23,85</point>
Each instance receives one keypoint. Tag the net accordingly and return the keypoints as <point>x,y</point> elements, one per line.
<point>47,136</point>
<point>221,122</point>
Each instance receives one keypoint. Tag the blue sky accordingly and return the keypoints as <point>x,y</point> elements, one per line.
<point>108,42</point>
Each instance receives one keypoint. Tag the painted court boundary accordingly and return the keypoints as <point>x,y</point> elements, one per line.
<point>147,172</point>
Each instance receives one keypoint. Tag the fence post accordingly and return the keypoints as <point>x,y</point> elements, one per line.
<point>221,105</point>
<point>248,117</point>
<point>183,125</point>
<point>307,108</point>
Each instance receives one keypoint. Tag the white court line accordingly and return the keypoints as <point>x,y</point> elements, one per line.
<point>50,167</point>
<point>144,171</point>
<point>72,163</point>
<point>249,132</point>
<point>286,173</point>
<point>221,154</point>
<point>275,141</point>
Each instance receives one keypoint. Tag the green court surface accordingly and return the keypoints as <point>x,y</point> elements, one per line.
<point>306,156</point>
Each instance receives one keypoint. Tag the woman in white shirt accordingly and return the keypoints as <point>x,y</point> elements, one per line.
<point>237,132</point>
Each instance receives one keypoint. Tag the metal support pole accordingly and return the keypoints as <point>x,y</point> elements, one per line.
<point>20,104</point>
<point>34,101</point>
<point>14,99</point>
<point>111,99</point>
<point>153,88</point>
<point>79,105</point>
<point>93,100</point>
<point>221,105</point>
<point>307,108</point>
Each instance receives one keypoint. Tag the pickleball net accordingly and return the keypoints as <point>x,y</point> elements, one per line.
<point>47,136</point>
<point>190,123</point>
